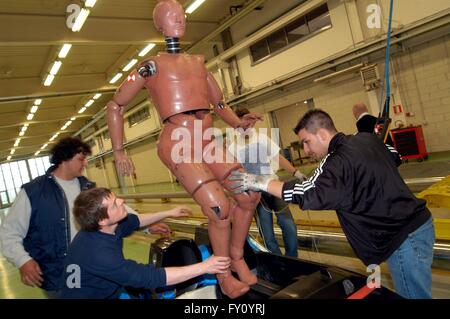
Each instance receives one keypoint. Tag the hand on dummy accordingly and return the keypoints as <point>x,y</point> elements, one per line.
<point>249,120</point>
<point>217,264</point>
<point>159,228</point>
<point>31,274</point>
<point>299,175</point>
<point>124,163</point>
<point>249,182</point>
<point>180,211</point>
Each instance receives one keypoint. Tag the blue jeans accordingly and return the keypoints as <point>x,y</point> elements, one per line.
<point>410,264</point>
<point>284,220</point>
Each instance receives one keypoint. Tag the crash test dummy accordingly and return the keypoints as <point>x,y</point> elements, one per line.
<point>183,91</point>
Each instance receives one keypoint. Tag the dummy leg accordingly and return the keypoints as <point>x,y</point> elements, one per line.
<point>216,206</point>
<point>242,216</point>
<point>199,181</point>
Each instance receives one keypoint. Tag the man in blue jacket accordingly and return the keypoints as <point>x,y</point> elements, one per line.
<point>358,177</point>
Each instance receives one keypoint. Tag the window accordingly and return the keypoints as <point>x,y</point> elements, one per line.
<point>38,166</point>
<point>106,135</point>
<point>277,40</point>
<point>318,19</point>
<point>259,50</point>
<point>138,116</point>
<point>24,171</point>
<point>297,30</point>
<point>91,143</point>
<point>14,174</point>
<point>314,21</point>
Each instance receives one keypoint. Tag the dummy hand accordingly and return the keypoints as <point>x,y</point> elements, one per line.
<point>159,228</point>
<point>299,175</point>
<point>124,163</point>
<point>180,211</point>
<point>249,182</point>
<point>249,120</point>
<point>216,265</point>
<point>31,274</point>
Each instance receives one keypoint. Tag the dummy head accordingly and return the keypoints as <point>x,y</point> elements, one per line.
<point>169,18</point>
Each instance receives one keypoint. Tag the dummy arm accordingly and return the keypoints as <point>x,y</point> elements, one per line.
<point>114,115</point>
<point>224,111</point>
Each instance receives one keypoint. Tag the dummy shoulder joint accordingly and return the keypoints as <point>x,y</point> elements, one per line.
<point>147,69</point>
<point>221,105</point>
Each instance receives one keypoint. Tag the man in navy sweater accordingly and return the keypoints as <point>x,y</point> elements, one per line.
<point>96,258</point>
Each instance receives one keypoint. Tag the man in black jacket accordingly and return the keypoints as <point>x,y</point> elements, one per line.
<point>358,177</point>
<point>365,122</point>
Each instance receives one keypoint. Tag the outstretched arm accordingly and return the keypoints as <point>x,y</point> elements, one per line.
<point>288,167</point>
<point>114,115</point>
<point>224,111</point>
<point>147,219</point>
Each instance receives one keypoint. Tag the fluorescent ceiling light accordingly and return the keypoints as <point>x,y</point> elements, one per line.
<point>68,123</point>
<point>34,108</point>
<point>44,146</point>
<point>82,110</point>
<point>82,16</point>
<point>30,116</point>
<point>89,103</point>
<point>64,50</point>
<point>73,118</point>
<point>37,153</point>
<point>194,6</point>
<point>12,151</point>
<point>130,65</point>
<point>90,3</point>
<point>8,158</point>
<point>49,80</point>
<point>147,49</point>
<point>17,142</point>
<point>26,125</point>
<point>38,102</point>
<point>55,67</point>
<point>115,78</point>
<point>96,96</point>
<point>22,133</point>
<point>24,128</point>
<point>54,136</point>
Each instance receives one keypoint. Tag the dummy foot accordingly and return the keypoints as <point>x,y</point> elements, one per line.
<point>230,286</point>
<point>240,267</point>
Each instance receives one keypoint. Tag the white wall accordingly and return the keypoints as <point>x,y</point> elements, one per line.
<point>314,49</point>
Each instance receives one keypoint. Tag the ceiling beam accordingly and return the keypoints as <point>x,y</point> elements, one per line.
<point>26,30</point>
<point>56,95</point>
<point>63,84</point>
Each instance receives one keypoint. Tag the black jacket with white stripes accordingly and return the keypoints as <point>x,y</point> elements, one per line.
<point>360,180</point>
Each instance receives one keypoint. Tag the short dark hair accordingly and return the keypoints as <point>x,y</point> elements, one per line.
<point>67,148</point>
<point>313,120</point>
<point>241,112</point>
<point>88,208</point>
